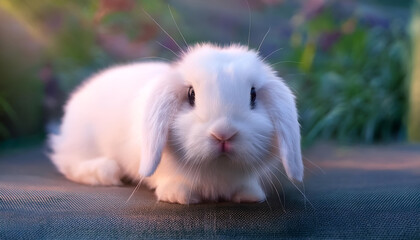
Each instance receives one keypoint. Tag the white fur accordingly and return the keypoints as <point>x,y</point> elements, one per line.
<point>136,121</point>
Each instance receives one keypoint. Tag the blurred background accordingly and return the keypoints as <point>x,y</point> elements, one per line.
<point>354,65</point>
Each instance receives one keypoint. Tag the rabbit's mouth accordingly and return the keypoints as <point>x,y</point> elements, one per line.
<point>224,147</point>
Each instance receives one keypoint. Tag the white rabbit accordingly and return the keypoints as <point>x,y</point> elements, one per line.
<point>211,126</point>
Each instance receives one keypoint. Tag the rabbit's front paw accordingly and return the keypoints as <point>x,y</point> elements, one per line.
<point>176,192</point>
<point>251,193</point>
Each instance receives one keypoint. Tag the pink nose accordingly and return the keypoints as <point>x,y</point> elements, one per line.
<point>223,136</point>
<point>224,139</point>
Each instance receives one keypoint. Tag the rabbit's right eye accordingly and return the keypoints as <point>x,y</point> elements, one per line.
<point>191,96</point>
<point>253,97</point>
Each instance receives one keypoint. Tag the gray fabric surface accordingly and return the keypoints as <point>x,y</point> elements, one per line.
<point>360,193</point>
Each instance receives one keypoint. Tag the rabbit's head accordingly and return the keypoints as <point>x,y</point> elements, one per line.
<point>221,105</point>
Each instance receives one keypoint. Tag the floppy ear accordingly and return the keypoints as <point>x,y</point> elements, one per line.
<point>157,105</point>
<point>281,107</point>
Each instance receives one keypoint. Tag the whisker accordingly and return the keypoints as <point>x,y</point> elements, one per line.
<point>167,48</point>
<point>276,157</point>
<point>263,39</point>
<point>176,25</point>
<point>303,194</point>
<point>265,187</point>
<point>163,30</point>
<point>135,189</point>
<point>181,167</point>
<point>259,161</point>
<point>313,163</point>
<point>196,175</point>
<point>305,158</point>
<point>282,189</point>
<point>303,187</point>
<point>249,21</point>
<point>299,190</point>
<point>309,169</point>
<point>160,58</point>
<point>284,62</point>
<point>272,53</point>
<point>262,180</point>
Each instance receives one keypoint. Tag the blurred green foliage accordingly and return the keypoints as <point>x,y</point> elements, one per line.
<point>20,90</point>
<point>70,36</point>
<point>355,89</point>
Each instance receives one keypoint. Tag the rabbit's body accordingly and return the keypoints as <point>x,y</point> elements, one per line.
<point>212,126</point>
<point>95,130</point>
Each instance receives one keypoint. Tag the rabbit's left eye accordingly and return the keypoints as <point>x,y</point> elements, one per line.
<point>191,96</point>
<point>253,97</point>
